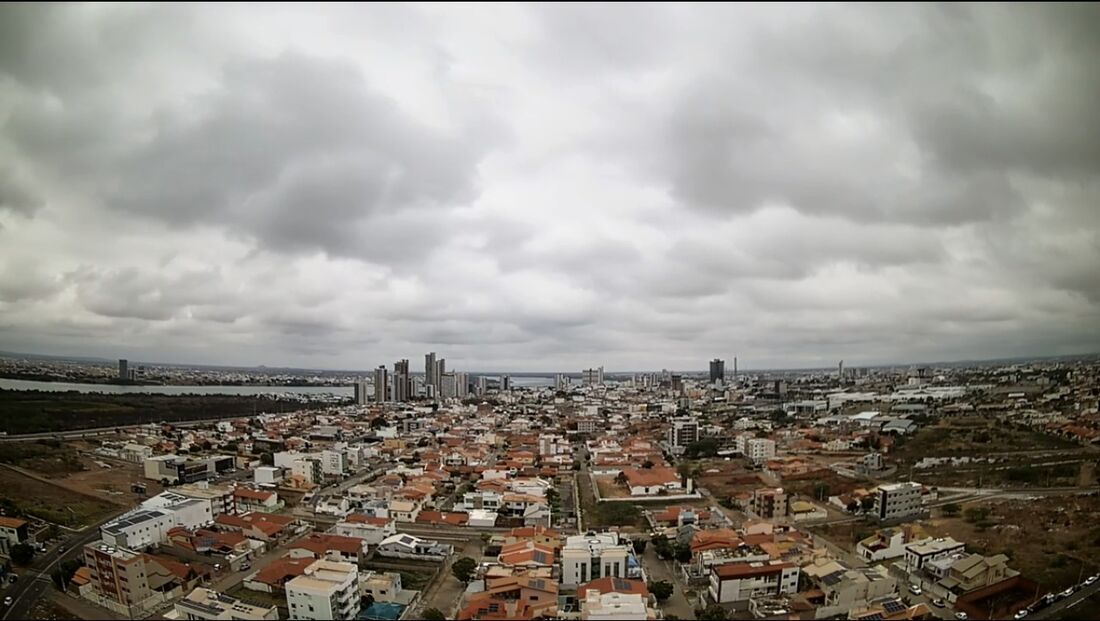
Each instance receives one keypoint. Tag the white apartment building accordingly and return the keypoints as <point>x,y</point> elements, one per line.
<point>589,557</point>
<point>327,590</point>
<point>334,462</point>
<point>897,501</point>
<point>307,468</point>
<point>267,476</point>
<point>738,582</point>
<point>150,523</point>
<point>759,449</point>
<point>203,603</point>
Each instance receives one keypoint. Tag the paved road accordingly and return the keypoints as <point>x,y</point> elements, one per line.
<point>658,570</point>
<point>35,580</point>
<point>1073,604</point>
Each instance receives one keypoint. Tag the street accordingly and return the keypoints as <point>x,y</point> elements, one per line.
<point>35,580</point>
<point>659,570</point>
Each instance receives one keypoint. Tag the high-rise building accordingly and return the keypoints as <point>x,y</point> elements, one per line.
<point>123,369</point>
<point>717,370</point>
<point>898,500</point>
<point>677,382</point>
<point>362,394</point>
<point>735,367</point>
<point>482,385</point>
<point>505,383</point>
<point>327,590</point>
<point>381,384</point>
<point>430,369</point>
<point>462,385</point>
<point>840,370</point>
<point>561,382</point>
<point>448,388</point>
<point>402,387</point>
<point>592,377</point>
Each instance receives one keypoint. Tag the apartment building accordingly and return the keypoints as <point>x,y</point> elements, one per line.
<point>203,603</point>
<point>738,582</point>
<point>683,432</point>
<point>898,501</point>
<point>592,556</point>
<point>759,450</point>
<point>770,503</point>
<point>327,590</point>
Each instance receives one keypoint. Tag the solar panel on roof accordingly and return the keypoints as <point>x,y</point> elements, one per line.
<point>619,584</point>
<point>893,606</point>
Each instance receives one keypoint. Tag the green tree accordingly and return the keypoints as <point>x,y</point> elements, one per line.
<point>463,569</point>
<point>267,458</point>
<point>683,553</point>
<point>22,554</point>
<point>713,612</point>
<point>867,503</point>
<point>662,590</point>
<point>433,614</point>
<point>647,464</point>
<point>640,546</point>
<point>951,509</point>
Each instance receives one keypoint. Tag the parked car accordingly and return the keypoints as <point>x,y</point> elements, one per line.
<point>1066,593</point>
<point>1091,579</point>
<point>961,616</point>
<point>7,601</point>
<point>914,589</point>
<point>939,603</point>
<point>246,566</point>
<point>1020,614</point>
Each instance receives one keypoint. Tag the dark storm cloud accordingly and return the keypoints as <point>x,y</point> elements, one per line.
<point>550,186</point>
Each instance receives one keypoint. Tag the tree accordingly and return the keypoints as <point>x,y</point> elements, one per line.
<point>463,569</point>
<point>376,423</point>
<point>267,458</point>
<point>22,554</point>
<point>683,553</point>
<point>852,507</point>
<point>662,590</point>
<point>951,509</point>
<point>867,503</point>
<point>621,478</point>
<point>433,614</point>
<point>640,546</point>
<point>713,612</point>
<point>647,464</point>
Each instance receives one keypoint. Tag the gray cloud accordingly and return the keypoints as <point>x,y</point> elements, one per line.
<point>541,187</point>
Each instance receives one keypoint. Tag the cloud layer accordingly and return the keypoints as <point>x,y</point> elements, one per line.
<point>547,187</point>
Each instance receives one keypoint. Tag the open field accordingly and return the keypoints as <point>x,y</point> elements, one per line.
<point>610,489</point>
<point>972,436</point>
<point>50,502</point>
<point>1043,472</point>
<point>49,457</point>
<point>28,411</point>
<point>1052,540</point>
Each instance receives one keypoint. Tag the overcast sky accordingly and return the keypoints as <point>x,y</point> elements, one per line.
<point>549,187</point>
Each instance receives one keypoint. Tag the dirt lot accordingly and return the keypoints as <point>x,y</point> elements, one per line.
<point>51,502</point>
<point>610,489</point>
<point>1055,471</point>
<point>972,435</point>
<point>726,478</point>
<point>112,483</point>
<point>1050,540</point>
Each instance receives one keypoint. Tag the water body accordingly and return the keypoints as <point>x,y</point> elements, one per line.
<point>116,389</point>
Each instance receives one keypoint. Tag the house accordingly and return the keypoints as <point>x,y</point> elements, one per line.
<point>444,518</point>
<point>330,547</point>
<point>802,511</point>
<point>415,548</point>
<point>526,554</point>
<point>840,588</point>
<point>918,553</point>
<point>246,500</point>
<point>614,585</point>
<point>368,528</point>
<point>680,516</point>
<point>652,481</point>
<point>885,544</point>
<point>404,510</point>
<point>383,587</point>
<point>264,527</point>
<point>969,572</point>
<point>597,606</point>
<point>536,534</point>
<point>13,531</point>
<point>514,597</point>
<point>277,573</point>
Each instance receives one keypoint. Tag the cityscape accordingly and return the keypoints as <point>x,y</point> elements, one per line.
<point>538,311</point>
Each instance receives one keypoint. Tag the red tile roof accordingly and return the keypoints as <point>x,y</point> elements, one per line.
<point>614,585</point>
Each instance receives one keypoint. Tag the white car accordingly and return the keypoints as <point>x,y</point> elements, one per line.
<point>7,601</point>
<point>1091,579</point>
<point>939,603</point>
<point>1020,614</point>
<point>1067,592</point>
<point>914,589</point>
<point>961,616</point>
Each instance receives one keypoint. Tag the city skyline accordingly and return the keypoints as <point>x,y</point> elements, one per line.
<point>549,187</point>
